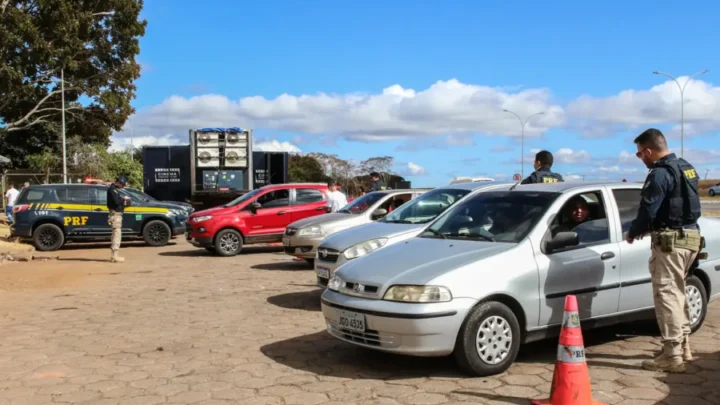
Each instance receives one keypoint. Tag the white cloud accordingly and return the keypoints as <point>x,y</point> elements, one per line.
<point>569,156</point>
<point>411,169</point>
<point>122,143</point>
<point>631,109</point>
<point>276,146</point>
<point>445,108</point>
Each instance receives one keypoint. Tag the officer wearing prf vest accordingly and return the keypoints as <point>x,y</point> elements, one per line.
<point>669,210</point>
<point>116,206</point>
<point>375,183</point>
<point>542,173</point>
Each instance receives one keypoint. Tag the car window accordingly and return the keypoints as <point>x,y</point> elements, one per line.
<point>500,216</point>
<point>425,207</point>
<point>77,195</point>
<point>584,214</point>
<point>628,201</point>
<point>275,199</point>
<point>98,196</point>
<point>33,196</point>
<point>362,204</point>
<point>396,201</point>
<point>308,196</point>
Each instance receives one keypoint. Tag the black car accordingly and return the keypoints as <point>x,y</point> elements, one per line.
<point>53,214</point>
<point>145,198</point>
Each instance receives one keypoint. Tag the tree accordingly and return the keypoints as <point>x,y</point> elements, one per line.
<point>305,169</point>
<point>45,162</point>
<point>93,42</point>
<point>380,164</point>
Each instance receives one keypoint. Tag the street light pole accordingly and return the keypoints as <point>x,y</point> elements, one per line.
<point>62,98</point>
<point>682,104</point>
<point>522,138</point>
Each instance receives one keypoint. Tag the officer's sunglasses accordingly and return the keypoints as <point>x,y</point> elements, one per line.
<point>640,153</point>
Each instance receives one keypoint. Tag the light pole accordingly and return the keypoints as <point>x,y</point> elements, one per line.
<point>682,104</point>
<point>62,97</point>
<point>522,139</point>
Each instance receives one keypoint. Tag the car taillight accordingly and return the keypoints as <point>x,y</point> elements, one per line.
<point>20,208</point>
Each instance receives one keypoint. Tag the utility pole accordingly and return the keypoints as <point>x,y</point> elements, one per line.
<point>64,149</point>
<point>522,138</point>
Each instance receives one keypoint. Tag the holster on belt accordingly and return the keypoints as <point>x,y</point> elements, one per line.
<point>669,239</point>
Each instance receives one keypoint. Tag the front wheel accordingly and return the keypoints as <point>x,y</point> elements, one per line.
<point>48,238</point>
<point>156,233</point>
<point>712,193</point>
<point>697,301</point>
<point>489,340</point>
<point>228,242</point>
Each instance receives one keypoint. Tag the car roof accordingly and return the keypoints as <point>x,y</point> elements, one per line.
<point>476,185</point>
<point>569,186</point>
<point>65,185</point>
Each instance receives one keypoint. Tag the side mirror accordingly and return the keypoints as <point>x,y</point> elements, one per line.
<point>562,240</point>
<point>379,213</point>
<point>254,207</point>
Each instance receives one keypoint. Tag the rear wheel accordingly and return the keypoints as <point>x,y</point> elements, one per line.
<point>228,242</point>
<point>712,193</point>
<point>696,297</point>
<point>489,340</point>
<point>156,233</point>
<point>48,237</point>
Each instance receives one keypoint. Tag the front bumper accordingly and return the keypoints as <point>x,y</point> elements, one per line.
<point>410,329</point>
<point>325,267</point>
<point>301,246</point>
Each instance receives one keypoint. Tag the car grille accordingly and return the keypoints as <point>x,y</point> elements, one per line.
<point>290,231</point>
<point>370,337</point>
<point>322,281</point>
<point>328,255</point>
<point>363,289</point>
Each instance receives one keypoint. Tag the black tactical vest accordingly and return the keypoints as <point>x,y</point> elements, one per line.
<point>681,206</point>
<point>544,175</point>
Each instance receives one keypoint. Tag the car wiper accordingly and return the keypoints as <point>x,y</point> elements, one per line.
<point>436,233</point>
<point>343,211</point>
<point>472,235</point>
<point>398,221</point>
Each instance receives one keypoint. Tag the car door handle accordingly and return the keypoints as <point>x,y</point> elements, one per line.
<point>97,209</point>
<point>607,255</point>
<point>59,208</point>
<point>282,212</point>
<point>320,209</point>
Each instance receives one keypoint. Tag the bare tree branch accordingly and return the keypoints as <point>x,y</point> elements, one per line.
<point>101,13</point>
<point>37,121</point>
<point>3,6</point>
<point>12,125</point>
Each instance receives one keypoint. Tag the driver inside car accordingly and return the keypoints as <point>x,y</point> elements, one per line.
<point>575,212</point>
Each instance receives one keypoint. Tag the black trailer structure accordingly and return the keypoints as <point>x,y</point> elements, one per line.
<point>217,166</point>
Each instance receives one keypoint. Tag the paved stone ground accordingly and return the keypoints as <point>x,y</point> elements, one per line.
<point>178,326</point>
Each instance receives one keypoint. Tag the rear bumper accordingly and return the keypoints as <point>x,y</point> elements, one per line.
<point>23,231</point>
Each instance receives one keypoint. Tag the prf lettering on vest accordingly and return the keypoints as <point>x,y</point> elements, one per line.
<point>75,221</point>
<point>549,180</point>
<point>690,173</point>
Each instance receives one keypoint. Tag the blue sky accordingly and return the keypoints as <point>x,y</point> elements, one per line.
<point>227,62</point>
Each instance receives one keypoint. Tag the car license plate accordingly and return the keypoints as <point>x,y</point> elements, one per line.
<point>351,321</point>
<point>323,272</point>
<point>286,241</point>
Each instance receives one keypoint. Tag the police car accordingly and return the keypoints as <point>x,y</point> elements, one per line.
<point>53,214</point>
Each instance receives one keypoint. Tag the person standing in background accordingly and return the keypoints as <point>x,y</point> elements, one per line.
<point>10,197</point>
<point>375,183</point>
<point>542,174</point>
<point>336,198</point>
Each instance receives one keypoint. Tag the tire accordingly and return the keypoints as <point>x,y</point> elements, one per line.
<point>466,348</point>
<point>311,262</point>
<point>712,193</point>
<point>696,296</point>
<point>48,238</point>
<point>228,242</point>
<point>156,233</point>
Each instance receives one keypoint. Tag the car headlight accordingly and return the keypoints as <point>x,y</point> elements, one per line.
<point>418,293</point>
<point>311,231</point>
<point>202,218</point>
<point>335,283</point>
<point>361,249</point>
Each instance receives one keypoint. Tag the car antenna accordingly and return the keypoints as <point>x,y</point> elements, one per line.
<point>514,185</point>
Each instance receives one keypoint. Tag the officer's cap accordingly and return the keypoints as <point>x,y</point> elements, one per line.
<point>121,179</point>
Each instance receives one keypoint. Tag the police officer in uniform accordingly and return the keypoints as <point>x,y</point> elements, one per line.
<point>542,173</point>
<point>669,210</point>
<point>116,206</point>
<point>375,183</point>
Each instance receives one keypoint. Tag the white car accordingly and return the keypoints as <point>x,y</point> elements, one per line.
<point>714,190</point>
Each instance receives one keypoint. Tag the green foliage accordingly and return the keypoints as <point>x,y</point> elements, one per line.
<point>95,44</point>
<point>305,169</point>
<point>44,162</point>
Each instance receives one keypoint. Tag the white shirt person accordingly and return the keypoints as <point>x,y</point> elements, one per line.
<point>336,198</point>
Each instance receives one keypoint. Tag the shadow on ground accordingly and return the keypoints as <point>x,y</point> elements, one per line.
<point>198,252</point>
<point>106,245</point>
<point>304,300</point>
<point>284,265</point>
<point>322,354</point>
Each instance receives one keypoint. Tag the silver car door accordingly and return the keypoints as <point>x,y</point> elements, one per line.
<point>590,271</point>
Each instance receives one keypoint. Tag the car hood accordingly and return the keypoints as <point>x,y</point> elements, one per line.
<point>417,260</point>
<point>374,230</point>
<point>211,211</point>
<point>324,219</point>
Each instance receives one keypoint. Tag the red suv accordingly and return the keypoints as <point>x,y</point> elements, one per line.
<point>259,216</point>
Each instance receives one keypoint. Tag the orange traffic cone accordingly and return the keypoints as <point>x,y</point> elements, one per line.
<point>571,381</point>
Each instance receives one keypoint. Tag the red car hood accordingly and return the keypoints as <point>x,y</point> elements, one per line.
<point>210,211</point>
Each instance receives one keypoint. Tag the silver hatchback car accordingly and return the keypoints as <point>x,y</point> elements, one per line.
<point>493,271</point>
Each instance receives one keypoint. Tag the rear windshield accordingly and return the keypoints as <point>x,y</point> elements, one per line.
<point>426,207</point>
<point>498,216</point>
<point>35,195</point>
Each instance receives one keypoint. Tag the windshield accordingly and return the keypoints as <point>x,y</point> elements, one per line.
<point>243,198</point>
<point>138,194</point>
<point>426,207</point>
<point>362,204</point>
<point>500,216</point>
